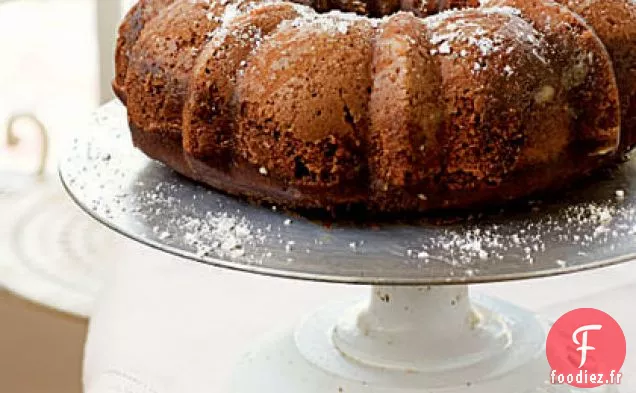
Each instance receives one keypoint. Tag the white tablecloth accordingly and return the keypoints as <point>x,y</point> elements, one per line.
<point>166,325</point>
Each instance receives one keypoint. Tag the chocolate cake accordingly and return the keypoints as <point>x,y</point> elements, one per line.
<point>395,105</point>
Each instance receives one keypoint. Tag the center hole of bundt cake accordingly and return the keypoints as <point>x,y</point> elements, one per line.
<point>380,8</point>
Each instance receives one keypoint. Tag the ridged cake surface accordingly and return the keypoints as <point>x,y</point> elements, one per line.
<point>394,105</point>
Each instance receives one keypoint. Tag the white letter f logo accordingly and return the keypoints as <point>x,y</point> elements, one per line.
<point>583,344</point>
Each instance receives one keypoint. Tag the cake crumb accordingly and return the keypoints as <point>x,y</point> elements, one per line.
<point>620,195</point>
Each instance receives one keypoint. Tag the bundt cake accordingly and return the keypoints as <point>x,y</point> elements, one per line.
<point>394,105</point>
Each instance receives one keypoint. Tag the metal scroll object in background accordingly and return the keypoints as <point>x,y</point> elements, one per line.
<point>12,183</point>
<point>14,140</point>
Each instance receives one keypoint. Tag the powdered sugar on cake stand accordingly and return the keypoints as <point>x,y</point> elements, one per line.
<point>416,331</point>
<point>586,228</point>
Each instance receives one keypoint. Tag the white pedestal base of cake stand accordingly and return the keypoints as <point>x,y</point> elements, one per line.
<point>406,339</point>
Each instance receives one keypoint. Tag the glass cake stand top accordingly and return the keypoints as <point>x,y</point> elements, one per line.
<point>591,227</point>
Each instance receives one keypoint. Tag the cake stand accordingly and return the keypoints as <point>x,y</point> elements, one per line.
<point>418,330</point>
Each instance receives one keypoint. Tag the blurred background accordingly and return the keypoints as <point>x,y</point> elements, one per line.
<point>56,59</point>
<point>55,69</point>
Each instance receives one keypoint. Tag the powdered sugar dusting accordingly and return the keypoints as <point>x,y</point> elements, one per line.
<point>332,23</point>
<point>219,234</point>
<point>483,34</point>
<point>584,226</point>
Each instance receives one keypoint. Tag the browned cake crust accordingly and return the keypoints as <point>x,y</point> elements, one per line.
<point>275,102</point>
<point>129,32</point>
<point>615,23</point>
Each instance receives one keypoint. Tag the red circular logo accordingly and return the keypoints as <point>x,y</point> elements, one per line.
<point>586,348</point>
